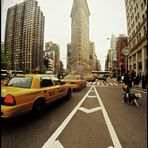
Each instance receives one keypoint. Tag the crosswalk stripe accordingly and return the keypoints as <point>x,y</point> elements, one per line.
<point>115,83</point>
<point>98,83</point>
<point>111,84</point>
<point>103,84</point>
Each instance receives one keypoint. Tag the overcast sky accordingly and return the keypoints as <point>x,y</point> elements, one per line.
<point>107,17</point>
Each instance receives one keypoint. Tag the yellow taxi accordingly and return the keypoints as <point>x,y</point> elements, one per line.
<point>90,78</point>
<point>76,81</point>
<point>31,92</point>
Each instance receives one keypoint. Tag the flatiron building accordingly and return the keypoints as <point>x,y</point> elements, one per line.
<point>80,37</point>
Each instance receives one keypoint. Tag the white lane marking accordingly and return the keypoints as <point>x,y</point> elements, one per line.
<point>89,83</point>
<point>89,110</point>
<point>110,147</point>
<point>94,83</point>
<point>91,96</point>
<point>56,144</point>
<point>109,124</point>
<point>111,84</point>
<point>92,90</point>
<point>52,139</point>
<point>98,83</point>
<point>115,83</point>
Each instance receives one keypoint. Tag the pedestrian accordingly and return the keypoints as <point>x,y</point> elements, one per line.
<point>138,78</point>
<point>128,81</point>
<point>104,79</point>
<point>118,78</point>
<point>130,71</point>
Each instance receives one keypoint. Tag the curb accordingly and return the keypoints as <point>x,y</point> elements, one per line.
<point>134,86</point>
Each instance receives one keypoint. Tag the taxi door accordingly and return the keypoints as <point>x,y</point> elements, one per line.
<point>62,90</point>
<point>48,89</point>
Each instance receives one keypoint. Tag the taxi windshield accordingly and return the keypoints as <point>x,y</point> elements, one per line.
<point>23,82</point>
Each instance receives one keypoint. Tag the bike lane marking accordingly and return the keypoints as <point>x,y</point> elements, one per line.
<point>51,140</point>
<point>109,124</point>
<point>89,110</point>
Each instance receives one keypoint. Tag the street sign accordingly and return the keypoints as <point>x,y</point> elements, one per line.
<point>125,51</point>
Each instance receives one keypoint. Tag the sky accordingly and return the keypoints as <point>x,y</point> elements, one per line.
<point>107,17</point>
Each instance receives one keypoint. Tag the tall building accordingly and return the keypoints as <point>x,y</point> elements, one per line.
<point>69,58</point>
<point>136,13</point>
<point>99,65</point>
<point>116,61</point>
<point>92,57</point>
<point>24,36</point>
<point>121,42</point>
<point>2,46</point>
<point>113,52</point>
<point>3,57</point>
<point>49,60</point>
<point>50,46</point>
<point>80,37</point>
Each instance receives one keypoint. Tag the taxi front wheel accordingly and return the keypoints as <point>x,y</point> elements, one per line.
<point>38,108</point>
<point>69,94</point>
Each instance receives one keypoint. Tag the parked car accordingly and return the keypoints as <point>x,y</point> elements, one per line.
<point>31,92</point>
<point>76,81</point>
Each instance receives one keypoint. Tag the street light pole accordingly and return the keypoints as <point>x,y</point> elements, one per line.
<point>125,52</point>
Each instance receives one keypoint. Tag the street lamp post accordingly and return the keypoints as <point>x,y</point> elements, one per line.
<point>125,52</point>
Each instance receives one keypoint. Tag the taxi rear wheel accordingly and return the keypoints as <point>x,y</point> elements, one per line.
<point>38,108</point>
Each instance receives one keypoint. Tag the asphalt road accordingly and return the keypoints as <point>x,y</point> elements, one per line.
<point>94,117</point>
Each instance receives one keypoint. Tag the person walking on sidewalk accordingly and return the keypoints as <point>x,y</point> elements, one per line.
<point>128,81</point>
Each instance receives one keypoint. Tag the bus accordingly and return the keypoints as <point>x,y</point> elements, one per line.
<point>102,74</point>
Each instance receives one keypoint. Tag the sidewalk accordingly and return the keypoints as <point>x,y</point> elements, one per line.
<point>138,87</point>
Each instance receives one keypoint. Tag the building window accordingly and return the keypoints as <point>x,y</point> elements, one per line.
<point>134,66</point>
<point>139,36</point>
<point>140,65</point>
<point>143,17</point>
<point>144,1</point>
<point>134,58</point>
<point>139,55</point>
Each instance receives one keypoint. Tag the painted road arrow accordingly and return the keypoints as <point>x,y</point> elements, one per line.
<point>89,110</point>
